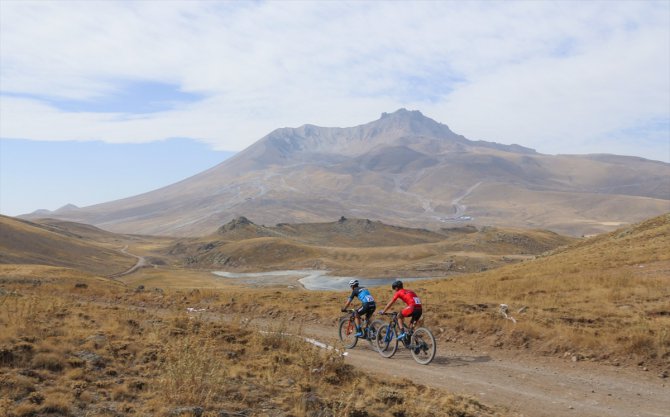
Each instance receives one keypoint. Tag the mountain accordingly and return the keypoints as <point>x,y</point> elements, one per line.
<point>404,169</point>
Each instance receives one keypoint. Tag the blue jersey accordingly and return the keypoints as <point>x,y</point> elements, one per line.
<point>363,294</point>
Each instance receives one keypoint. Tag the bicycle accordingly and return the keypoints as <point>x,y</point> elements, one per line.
<point>420,342</point>
<point>347,330</point>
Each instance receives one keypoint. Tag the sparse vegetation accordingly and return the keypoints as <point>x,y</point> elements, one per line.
<point>77,344</point>
<point>604,299</point>
<point>113,350</point>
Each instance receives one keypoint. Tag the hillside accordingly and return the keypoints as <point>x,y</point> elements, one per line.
<point>606,298</point>
<point>360,246</point>
<point>403,169</point>
<point>55,243</point>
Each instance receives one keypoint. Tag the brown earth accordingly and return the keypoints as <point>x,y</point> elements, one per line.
<point>591,338</point>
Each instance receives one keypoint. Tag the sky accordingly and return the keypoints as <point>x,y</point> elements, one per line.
<point>195,81</point>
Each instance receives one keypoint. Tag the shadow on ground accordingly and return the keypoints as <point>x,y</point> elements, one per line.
<point>460,360</point>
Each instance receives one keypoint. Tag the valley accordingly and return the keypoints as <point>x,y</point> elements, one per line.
<point>590,336</point>
<point>188,189</point>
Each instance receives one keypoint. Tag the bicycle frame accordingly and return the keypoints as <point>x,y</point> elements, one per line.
<point>347,328</point>
<point>393,321</point>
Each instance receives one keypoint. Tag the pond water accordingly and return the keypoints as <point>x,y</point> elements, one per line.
<point>310,279</point>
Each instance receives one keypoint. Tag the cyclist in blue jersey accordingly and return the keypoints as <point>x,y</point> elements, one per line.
<point>367,308</point>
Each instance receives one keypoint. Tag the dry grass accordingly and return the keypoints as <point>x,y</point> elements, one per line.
<point>108,349</point>
<point>23,242</point>
<point>605,299</point>
<point>88,343</point>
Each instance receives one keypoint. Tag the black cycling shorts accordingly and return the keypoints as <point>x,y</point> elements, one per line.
<point>367,309</point>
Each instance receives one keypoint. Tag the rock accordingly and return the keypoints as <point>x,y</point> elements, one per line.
<point>93,359</point>
<point>195,411</point>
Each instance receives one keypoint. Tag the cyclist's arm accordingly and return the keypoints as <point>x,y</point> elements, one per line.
<point>390,303</point>
<point>349,300</point>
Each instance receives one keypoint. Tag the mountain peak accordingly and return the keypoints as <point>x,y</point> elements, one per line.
<point>413,122</point>
<point>404,113</point>
<point>69,207</point>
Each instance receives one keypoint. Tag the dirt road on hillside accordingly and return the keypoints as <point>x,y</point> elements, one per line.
<point>529,386</point>
<point>141,262</point>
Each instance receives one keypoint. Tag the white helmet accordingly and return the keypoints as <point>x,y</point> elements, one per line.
<point>353,283</point>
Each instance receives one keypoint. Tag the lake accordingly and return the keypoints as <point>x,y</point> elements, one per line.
<point>310,279</point>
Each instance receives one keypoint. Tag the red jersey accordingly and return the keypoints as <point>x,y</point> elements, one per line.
<point>409,297</point>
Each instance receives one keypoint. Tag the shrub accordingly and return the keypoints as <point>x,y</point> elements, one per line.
<point>25,410</point>
<point>192,371</point>
<point>49,361</point>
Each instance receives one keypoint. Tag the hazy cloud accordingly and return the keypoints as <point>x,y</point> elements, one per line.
<point>560,77</point>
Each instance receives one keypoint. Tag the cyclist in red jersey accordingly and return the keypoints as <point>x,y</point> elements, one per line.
<point>412,310</point>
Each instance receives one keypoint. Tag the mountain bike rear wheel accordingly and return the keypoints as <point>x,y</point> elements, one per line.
<point>386,343</point>
<point>347,330</point>
<point>373,328</point>
<point>423,346</point>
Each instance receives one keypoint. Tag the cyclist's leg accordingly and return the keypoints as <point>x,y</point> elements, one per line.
<point>357,319</point>
<point>416,315</point>
<point>369,310</point>
<point>406,312</point>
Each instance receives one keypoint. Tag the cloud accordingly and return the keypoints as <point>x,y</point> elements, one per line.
<point>560,77</point>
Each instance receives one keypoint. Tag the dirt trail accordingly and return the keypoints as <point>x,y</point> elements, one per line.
<point>529,386</point>
<point>525,385</point>
<point>141,262</point>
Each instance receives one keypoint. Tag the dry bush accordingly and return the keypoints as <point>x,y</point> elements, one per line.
<point>16,386</point>
<point>122,393</point>
<point>56,403</point>
<point>192,369</point>
<point>49,361</point>
<point>25,410</point>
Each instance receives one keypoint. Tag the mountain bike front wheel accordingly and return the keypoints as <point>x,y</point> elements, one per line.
<point>386,343</point>
<point>423,346</point>
<point>347,330</point>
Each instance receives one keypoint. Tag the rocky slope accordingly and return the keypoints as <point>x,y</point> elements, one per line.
<point>405,169</point>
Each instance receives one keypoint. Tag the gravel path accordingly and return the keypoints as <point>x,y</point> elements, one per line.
<point>527,385</point>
